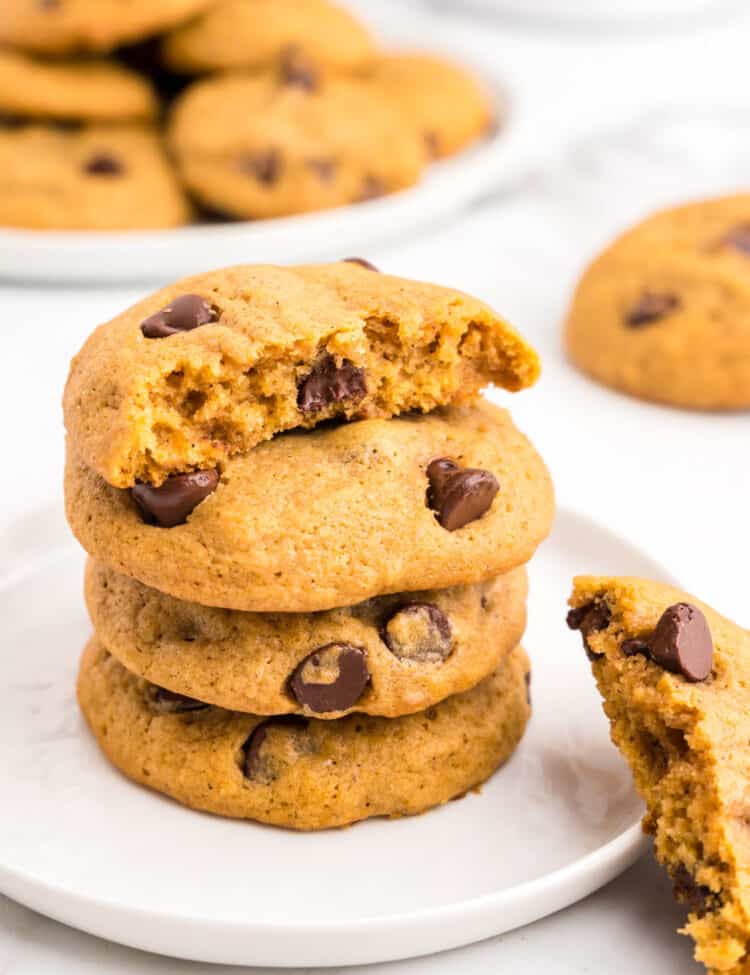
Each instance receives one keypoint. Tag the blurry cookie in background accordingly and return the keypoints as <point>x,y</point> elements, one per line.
<point>96,177</point>
<point>93,90</point>
<point>256,34</point>
<point>445,102</point>
<point>63,26</point>
<point>664,312</point>
<point>286,142</point>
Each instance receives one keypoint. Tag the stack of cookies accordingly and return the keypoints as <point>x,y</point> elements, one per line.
<point>119,115</point>
<point>307,540</point>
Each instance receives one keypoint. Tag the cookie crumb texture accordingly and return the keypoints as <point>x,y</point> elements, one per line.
<point>284,348</point>
<point>418,647</point>
<point>686,742</point>
<point>299,773</point>
<point>664,313</point>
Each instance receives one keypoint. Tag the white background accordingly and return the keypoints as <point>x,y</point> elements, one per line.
<point>657,115</point>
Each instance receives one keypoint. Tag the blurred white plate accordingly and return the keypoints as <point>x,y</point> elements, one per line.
<point>446,187</point>
<point>80,843</point>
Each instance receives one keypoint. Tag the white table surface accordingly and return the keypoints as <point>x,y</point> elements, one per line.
<point>660,117</point>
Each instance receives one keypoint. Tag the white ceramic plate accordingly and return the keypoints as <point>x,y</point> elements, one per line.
<point>80,843</point>
<point>447,186</point>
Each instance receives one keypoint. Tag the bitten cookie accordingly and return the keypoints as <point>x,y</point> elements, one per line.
<point>87,91</point>
<point>259,146</point>
<point>95,178</point>
<point>443,101</point>
<point>674,676</point>
<point>389,656</point>
<point>331,517</point>
<point>257,34</point>
<point>214,364</point>
<point>299,773</point>
<point>664,313</point>
<point>62,26</point>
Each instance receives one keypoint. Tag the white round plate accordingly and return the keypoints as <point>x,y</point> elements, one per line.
<point>80,843</point>
<point>446,187</point>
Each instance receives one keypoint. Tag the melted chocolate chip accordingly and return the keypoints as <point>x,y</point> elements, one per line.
<point>651,307</point>
<point>181,315</point>
<point>696,897</point>
<point>324,169</point>
<point>104,164</point>
<point>459,495</point>
<point>167,702</point>
<point>254,766</point>
<point>332,678</point>
<point>632,648</point>
<point>330,383</point>
<point>419,631</point>
<point>172,502</point>
<point>591,618</point>
<point>738,239</point>
<point>362,263</point>
<point>372,189</point>
<point>298,71</point>
<point>264,166</point>
<point>682,642</point>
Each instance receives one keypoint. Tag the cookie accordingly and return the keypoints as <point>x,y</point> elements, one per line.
<point>270,145</point>
<point>214,364</point>
<point>94,178</point>
<point>674,678</point>
<point>314,520</point>
<point>664,313</point>
<point>302,773</point>
<point>389,656</point>
<point>445,103</point>
<point>257,34</point>
<point>64,26</point>
<point>87,91</point>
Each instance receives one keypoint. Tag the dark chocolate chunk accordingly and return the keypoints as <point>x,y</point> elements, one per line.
<point>633,647</point>
<point>419,631</point>
<point>172,502</point>
<point>264,166</point>
<point>104,164</point>
<point>651,307</point>
<point>682,642</point>
<point>168,702</point>
<point>254,766</point>
<point>591,618</point>
<point>738,239</point>
<point>459,495</point>
<point>181,315</point>
<point>362,263</point>
<point>332,678</point>
<point>696,897</point>
<point>330,383</point>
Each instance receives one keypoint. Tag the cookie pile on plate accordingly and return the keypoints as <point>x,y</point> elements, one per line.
<point>117,116</point>
<point>307,537</point>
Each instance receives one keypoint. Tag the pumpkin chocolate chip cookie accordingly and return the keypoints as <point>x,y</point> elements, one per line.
<point>290,141</point>
<point>212,365</point>
<point>389,656</point>
<point>674,678</point>
<point>664,313</point>
<point>331,517</point>
<point>302,773</point>
<point>101,177</point>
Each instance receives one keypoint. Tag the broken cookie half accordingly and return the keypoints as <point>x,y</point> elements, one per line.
<point>675,679</point>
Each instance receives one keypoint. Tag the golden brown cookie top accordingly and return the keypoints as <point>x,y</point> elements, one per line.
<point>256,34</point>
<point>212,365</point>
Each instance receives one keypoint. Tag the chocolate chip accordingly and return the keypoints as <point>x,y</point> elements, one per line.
<point>682,642</point>
<point>419,631</point>
<point>632,648</point>
<point>372,189</point>
<point>181,315</point>
<point>167,702</point>
<point>459,495</point>
<point>332,678</point>
<point>696,897</point>
<point>254,766</point>
<point>298,71</point>
<point>8,121</point>
<point>650,307</point>
<point>104,164</point>
<point>324,169</point>
<point>527,679</point>
<point>172,502</point>
<point>432,144</point>
<point>590,618</point>
<point>362,263</point>
<point>264,166</point>
<point>330,383</point>
<point>738,239</point>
